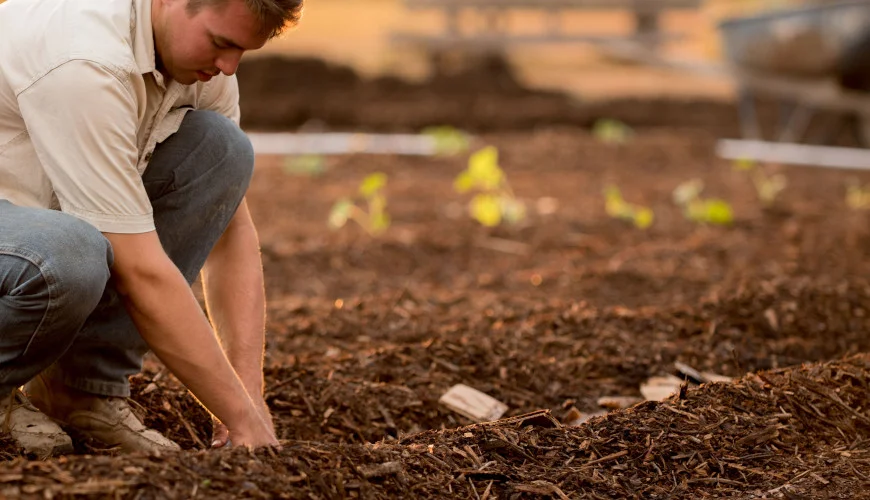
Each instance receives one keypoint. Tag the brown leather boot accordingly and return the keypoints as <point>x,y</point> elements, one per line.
<point>109,420</point>
<point>32,429</point>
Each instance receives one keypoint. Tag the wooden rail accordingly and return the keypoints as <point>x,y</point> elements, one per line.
<point>494,36</point>
<point>636,5</point>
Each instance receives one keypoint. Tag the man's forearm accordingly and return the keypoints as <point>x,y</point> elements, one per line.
<point>169,319</point>
<point>171,322</point>
<point>235,298</point>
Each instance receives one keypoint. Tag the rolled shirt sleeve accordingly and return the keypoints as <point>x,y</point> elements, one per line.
<point>82,118</point>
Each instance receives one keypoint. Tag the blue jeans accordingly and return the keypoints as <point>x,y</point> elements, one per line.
<point>59,310</point>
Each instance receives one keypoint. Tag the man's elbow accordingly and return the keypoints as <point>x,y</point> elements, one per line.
<point>140,262</point>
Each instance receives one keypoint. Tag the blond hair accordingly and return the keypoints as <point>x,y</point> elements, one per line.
<point>274,15</point>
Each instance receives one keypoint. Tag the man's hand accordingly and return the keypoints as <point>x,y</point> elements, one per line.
<point>235,298</point>
<point>220,432</point>
<point>171,322</point>
<point>243,436</point>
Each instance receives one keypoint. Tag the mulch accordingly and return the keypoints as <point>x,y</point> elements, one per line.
<point>747,438</point>
<point>366,333</point>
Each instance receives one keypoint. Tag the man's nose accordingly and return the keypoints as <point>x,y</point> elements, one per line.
<point>228,62</point>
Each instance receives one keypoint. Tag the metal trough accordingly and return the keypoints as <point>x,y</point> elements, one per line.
<point>804,42</point>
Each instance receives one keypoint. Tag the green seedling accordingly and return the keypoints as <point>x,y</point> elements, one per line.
<point>374,219</point>
<point>768,187</point>
<point>448,140</point>
<point>857,196</point>
<point>612,131</point>
<point>695,208</point>
<point>494,201</point>
<point>743,165</point>
<point>304,165</point>
<point>616,207</point>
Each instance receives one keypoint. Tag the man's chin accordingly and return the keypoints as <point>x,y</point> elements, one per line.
<point>184,77</point>
<point>187,79</point>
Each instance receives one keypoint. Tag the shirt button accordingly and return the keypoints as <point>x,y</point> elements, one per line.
<point>148,156</point>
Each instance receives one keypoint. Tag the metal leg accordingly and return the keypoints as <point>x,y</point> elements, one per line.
<point>794,120</point>
<point>749,127</point>
<point>861,124</point>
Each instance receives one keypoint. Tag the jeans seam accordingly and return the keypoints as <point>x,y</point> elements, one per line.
<point>100,387</point>
<point>50,281</point>
<point>168,186</point>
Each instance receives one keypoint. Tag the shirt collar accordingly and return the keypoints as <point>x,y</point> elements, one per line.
<point>143,36</point>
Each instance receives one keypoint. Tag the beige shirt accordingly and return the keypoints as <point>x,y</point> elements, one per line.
<point>82,108</point>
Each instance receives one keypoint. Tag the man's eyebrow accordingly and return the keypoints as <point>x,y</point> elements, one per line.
<point>228,42</point>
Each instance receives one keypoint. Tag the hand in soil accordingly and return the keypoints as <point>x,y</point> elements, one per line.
<point>221,434</point>
<point>255,436</point>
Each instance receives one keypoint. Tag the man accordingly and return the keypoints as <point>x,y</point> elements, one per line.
<point>122,176</point>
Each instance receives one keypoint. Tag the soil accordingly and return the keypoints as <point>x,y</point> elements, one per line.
<point>476,94</point>
<point>480,94</point>
<point>365,333</point>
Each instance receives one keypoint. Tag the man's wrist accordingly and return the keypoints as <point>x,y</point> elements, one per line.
<point>252,379</point>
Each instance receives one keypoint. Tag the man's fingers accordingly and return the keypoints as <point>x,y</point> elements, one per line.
<point>220,436</point>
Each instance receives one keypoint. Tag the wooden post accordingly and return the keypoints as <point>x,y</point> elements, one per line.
<point>554,22</point>
<point>495,22</point>
<point>647,25</point>
<point>451,15</point>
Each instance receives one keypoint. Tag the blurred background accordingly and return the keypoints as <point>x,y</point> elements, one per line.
<point>428,62</point>
<point>360,34</point>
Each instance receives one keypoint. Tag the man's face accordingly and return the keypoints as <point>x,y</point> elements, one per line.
<point>211,41</point>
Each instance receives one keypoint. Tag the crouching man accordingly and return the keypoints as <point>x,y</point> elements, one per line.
<point>122,176</point>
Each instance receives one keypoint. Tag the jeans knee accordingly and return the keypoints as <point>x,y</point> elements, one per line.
<point>78,267</point>
<point>226,141</point>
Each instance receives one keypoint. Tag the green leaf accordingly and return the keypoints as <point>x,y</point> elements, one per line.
<point>372,183</point>
<point>612,192</point>
<point>340,212</point>
<point>306,165</point>
<point>448,140</point>
<point>380,222</point>
<point>377,203</point>
<point>718,212</point>
<point>614,205</point>
<point>483,167</point>
<point>768,188</point>
<point>611,131</point>
<point>857,197</point>
<point>485,209</point>
<point>464,182</point>
<point>643,217</point>
<point>744,165</point>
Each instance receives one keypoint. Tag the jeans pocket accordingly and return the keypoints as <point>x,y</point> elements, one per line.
<point>156,188</point>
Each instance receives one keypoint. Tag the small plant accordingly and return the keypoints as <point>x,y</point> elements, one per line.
<point>707,211</point>
<point>304,165</point>
<point>857,196</point>
<point>616,207</point>
<point>375,219</point>
<point>612,131</point>
<point>768,187</point>
<point>494,201</point>
<point>448,140</point>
